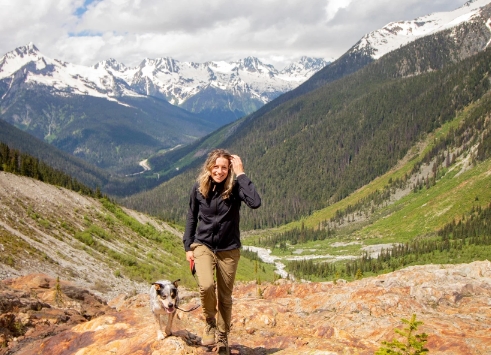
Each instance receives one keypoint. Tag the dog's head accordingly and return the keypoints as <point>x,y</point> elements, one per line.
<point>167,295</point>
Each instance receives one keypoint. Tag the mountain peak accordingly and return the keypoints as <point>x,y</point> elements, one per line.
<point>313,63</point>
<point>111,63</point>
<point>16,59</point>
<point>305,66</point>
<point>28,50</point>
<point>164,64</point>
<point>251,63</point>
<point>399,33</point>
<point>469,3</point>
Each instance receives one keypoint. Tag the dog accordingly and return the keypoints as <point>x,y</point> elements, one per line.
<point>164,299</point>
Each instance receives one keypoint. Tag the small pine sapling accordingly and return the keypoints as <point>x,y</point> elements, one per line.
<point>412,344</point>
<point>58,293</point>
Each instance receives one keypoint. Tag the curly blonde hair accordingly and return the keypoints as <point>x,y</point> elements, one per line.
<point>205,179</point>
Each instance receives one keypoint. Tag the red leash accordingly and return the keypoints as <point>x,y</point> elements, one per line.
<point>193,271</point>
<point>191,267</point>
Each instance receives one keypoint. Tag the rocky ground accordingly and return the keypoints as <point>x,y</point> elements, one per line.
<point>453,302</point>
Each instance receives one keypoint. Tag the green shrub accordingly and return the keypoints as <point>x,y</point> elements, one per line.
<point>411,344</point>
<point>85,237</point>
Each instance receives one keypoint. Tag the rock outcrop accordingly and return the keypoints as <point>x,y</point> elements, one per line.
<point>452,301</point>
<point>36,307</point>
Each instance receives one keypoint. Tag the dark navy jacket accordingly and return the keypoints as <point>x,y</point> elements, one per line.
<point>213,221</point>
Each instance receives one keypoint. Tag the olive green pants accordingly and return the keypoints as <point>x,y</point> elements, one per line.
<point>216,298</point>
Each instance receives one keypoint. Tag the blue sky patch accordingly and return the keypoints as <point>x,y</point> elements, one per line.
<point>83,9</point>
<point>85,33</point>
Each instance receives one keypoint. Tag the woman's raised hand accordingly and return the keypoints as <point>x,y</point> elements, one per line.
<point>237,165</point>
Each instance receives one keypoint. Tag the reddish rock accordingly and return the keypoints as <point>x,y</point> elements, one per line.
<point>32,310</point>
<point>453,302</point>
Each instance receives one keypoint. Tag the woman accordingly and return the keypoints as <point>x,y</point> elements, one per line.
<point>212,238</point>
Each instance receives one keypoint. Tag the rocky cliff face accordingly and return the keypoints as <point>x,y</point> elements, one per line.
<point>453,302</point>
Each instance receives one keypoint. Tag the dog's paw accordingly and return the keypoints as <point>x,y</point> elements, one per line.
<point>168,332</point>
<point>160,335</point>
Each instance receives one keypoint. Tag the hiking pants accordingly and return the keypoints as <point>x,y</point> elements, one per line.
<point>219,299</point>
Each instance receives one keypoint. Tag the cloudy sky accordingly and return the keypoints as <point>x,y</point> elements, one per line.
<point>276,31</point>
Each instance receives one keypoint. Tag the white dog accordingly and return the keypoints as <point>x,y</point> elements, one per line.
<point>164,299</point>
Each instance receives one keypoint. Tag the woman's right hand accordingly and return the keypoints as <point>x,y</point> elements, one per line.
<point>189,256</point>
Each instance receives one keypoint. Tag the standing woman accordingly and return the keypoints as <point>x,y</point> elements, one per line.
<point>212,238</point>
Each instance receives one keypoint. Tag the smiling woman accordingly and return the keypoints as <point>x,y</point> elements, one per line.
<point>212,238</point>
<point>219,171</point>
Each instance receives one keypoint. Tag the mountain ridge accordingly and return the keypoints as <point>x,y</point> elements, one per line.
<point>87,111</point>
<point>165,77</point>
<point>400,33</point>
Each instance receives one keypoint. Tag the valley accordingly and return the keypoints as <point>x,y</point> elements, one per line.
<point>374,171</point>
<point>365,222</point>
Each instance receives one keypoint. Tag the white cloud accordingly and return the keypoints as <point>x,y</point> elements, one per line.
<point>333,6</point>
<point>277,31</point>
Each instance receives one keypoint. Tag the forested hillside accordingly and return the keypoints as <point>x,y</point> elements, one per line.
<point>112,134</point>
<point>433,207</point>
<point>15,162</point>
<point>316,149</point>
<point>75,167</point>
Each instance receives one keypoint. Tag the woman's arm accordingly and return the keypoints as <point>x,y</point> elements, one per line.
<point>247,190</point>
<point>191,221</point>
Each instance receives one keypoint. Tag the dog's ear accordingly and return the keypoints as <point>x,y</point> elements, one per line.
<point>175,282</point>
<point>157,286</point>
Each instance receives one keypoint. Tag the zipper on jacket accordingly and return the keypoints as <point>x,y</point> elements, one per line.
<point>215,223</point>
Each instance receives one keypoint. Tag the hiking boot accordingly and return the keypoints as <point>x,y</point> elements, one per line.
<point>222,344</point>
<point>208,337</point>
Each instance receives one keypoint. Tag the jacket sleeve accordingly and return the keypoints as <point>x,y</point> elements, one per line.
<point>247,192</point>
<point>191,220</point>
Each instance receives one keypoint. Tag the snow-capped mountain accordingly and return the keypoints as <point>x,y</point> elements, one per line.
<point>101,111</point>
<point>89,112</point>
<point>178,81</point>
<point>162,77</point>
<point>29,65</point>
<point>397,34</point>
<point>224,90</point>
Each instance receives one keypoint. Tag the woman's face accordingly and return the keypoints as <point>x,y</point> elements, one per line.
<point>219,171</point>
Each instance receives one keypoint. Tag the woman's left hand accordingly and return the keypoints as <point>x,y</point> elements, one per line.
<point>237,165</point>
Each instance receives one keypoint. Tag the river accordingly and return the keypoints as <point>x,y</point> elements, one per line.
<point>265,255</point>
